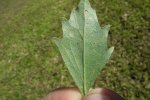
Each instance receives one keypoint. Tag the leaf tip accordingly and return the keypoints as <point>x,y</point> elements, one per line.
<point>55,40</point>
<point>110,51</point>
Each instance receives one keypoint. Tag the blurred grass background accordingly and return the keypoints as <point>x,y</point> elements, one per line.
<point>31,66</point>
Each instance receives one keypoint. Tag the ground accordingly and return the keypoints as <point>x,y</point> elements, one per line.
<point>31,65</point>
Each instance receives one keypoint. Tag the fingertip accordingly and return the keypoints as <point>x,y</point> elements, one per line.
<point>64,94</point>
<point>103,94</point>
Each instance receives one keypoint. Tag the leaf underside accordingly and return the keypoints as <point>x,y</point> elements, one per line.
<point>84,45</point>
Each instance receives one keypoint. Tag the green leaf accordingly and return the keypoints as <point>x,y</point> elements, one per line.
<point>84,45</point>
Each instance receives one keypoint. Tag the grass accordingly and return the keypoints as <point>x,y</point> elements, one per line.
<point>31,66</point>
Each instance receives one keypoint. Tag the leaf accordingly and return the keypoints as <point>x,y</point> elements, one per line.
<point>84,45</point>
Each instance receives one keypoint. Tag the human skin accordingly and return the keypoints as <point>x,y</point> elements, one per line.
<point>74,94</point>
<point>102,94</point>
<point>64,94</point>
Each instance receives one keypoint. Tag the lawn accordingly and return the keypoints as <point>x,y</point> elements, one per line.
<point>31,65</point>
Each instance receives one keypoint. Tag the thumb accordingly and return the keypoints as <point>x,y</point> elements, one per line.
<point>103,94</point>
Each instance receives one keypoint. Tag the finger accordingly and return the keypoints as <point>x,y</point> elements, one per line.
<point>103,94</point>
<point>64,94</point>
<point>56,95</point>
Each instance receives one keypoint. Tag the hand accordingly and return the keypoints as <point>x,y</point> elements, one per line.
<point>74,94</point>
